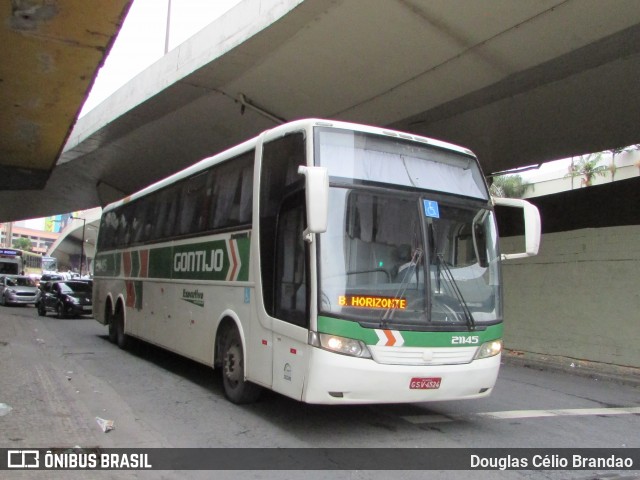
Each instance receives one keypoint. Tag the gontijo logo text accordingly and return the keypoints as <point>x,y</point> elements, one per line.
<point>199,261</point>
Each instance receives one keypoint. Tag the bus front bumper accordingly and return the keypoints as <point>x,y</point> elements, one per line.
<point>340,379</point>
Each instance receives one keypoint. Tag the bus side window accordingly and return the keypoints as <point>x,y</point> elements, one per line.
<point>173,200</point>
<point>226,183</point>
<point>231,193</point>
<point>139,232</point>
<point>193,196</point>
<point>160,212</point>
<point>125,219</point>
<point>245,202</point>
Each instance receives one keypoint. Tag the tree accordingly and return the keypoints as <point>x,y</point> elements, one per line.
<point>612,165</point>
<point>587,166</point>
<point>621,150</point>
<point>509,186</point>
<point>22,243</point>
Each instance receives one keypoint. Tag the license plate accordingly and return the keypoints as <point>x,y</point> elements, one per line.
<point>86,308</point>
<point>432,383</point>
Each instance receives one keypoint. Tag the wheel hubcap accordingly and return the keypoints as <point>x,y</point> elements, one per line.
<point>232,367</point>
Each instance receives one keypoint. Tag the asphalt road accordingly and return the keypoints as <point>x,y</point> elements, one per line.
<point>57,376</point>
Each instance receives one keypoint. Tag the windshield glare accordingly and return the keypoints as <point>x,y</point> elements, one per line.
<point>74,288</point>
<point>373,158</point>
<point>385,262</point>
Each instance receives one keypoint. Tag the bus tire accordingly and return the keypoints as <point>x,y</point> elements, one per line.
<point>113,332</point>
<point>236,388</point>
<point>122,339</point>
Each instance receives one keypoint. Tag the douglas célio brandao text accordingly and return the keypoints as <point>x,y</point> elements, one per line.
<point>549,461</point>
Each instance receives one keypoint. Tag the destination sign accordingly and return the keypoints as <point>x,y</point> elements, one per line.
<point>370,301</point>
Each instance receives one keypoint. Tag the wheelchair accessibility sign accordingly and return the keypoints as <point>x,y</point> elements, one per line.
<point>431,208</point>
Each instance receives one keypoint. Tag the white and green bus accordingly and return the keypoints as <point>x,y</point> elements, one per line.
<point>333,263</point>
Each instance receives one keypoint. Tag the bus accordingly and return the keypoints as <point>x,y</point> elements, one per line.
<point>330,262</point>
<point>49,264</point>
<point>20,262</point>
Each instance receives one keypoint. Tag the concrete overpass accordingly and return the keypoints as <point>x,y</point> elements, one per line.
<point>51,51</point>
<point>517,82</point>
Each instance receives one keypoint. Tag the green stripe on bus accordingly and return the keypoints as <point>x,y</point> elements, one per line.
<point>135,264</point>
<point>107,265</point>
<point>349,329</point>
<point>160,262</point>
<point>244,244</point>
<point>223,259</point>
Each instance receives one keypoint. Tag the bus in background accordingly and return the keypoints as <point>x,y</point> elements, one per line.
<point>20,262</point>
<point>49,265</point>
<point>331,262</point>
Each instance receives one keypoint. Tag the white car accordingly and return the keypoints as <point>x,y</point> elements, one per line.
<point>17,290</point>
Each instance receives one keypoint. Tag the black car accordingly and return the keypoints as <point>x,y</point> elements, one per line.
<point>65,298</point>
<point>51,277</point>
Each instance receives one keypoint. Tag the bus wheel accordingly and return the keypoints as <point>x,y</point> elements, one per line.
<point>122,339</point>
<point>113,331</point>
<point>236,388</point>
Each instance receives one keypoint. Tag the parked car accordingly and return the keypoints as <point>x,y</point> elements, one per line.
<point>17,290</point>
<point>65,298</point>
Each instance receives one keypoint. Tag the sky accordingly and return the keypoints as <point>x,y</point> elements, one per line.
<point>141,40</point>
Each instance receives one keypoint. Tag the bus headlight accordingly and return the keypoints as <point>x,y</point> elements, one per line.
<point>337,344</point>
<point>489,349</point>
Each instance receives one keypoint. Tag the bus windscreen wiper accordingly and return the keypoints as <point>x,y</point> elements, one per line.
<point>408,272</point>
<point>456,290</point>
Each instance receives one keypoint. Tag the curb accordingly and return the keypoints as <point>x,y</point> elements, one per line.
<point>596,370</point>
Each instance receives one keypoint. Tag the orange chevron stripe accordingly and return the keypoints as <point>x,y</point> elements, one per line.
<point>234,260</point>
<point>144,263</point>
<point>391,340</point>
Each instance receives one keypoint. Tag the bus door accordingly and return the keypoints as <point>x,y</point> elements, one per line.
<point>291,293</point>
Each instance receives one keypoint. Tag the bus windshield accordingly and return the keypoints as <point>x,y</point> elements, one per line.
<point>362,158</point>
<point>49,264</point>
<point>388,262</point>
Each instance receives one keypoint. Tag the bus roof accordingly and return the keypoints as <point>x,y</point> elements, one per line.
<point>275,132</point>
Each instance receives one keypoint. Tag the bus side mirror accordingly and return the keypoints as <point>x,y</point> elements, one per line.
<point>532,227</point>
<point>317,199</point>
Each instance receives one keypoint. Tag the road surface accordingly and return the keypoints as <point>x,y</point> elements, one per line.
<point>57,376</point>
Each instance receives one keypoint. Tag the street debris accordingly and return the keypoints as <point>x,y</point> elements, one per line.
<point>105,425</point>
<point>4,409</point>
